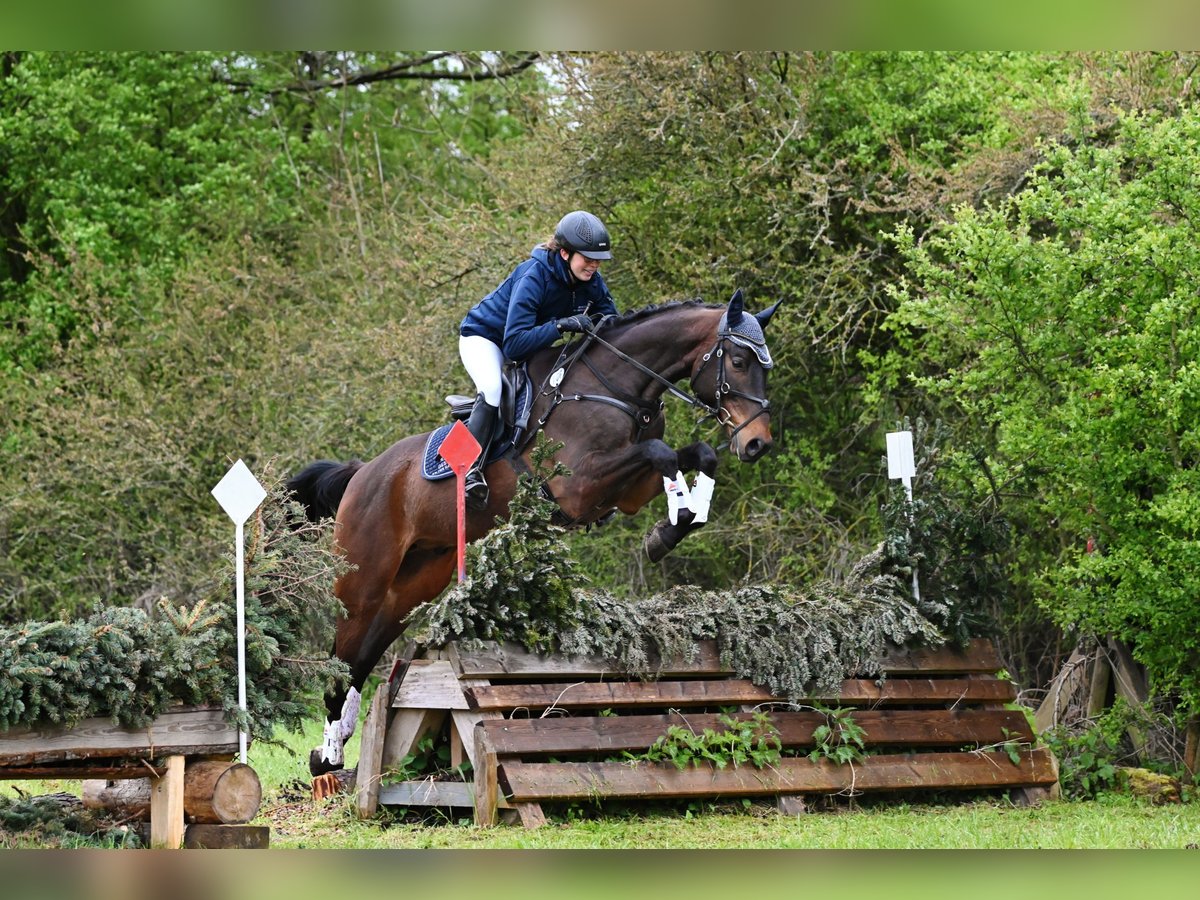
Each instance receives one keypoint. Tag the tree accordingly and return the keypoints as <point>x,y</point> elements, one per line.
<point>1066,323</point>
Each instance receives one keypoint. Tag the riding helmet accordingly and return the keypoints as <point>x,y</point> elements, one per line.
<point>581,232</point>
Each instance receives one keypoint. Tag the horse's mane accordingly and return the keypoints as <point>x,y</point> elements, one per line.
<point>646,312</point>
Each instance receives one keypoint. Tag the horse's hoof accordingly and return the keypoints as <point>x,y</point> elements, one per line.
<point>318,765</point>
<point>656,545</point>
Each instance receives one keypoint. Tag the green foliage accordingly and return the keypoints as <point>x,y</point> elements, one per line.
<point>1063,324</point>
<point>123,664</point>
<point>46,821</point>
<point>753,741</point>
<point>839,738</point>
<point>1087,760</point>
<point>431,757</point>
<point>953,533</point>
<point>520,579</point>
<point>522,587</point>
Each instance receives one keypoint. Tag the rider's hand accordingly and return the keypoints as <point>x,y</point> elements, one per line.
<point>577,324</point>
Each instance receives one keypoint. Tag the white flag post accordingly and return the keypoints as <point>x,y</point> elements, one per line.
<point>902,464</point>
<point>239,494</point>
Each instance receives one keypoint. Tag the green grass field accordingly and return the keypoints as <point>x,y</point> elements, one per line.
<point>947,822</point>
<point>952,823</point>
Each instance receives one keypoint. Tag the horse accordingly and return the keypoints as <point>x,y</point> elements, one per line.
<point>600,397</point>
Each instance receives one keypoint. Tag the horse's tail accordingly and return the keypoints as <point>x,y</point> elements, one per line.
<point>319,487</point>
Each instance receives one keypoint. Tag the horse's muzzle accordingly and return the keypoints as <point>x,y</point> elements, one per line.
<point>751,449</point>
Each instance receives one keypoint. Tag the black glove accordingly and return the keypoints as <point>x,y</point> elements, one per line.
<point>577,324</point>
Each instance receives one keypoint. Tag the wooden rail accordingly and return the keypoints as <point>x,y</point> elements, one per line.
<point>98,748</point>
<point>540,729</point>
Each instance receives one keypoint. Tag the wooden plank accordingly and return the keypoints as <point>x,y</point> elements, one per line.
<point>510,660</point>
<point>979,656</point>
<point>166,806</point>
<point>427,793</point>
<point>111,769</point>
<point>429,684</point>
<point>188,731</point>
<point>370,756</point>
<point>405,730</point>
<point>227,837</point>
<point>1064,687</point>
<point>854,691</point>
<point>613,734</point>
<point>523,782</point>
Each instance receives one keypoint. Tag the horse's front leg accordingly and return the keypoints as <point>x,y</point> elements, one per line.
<point>687,509</point>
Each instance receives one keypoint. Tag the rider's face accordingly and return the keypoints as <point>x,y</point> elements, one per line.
<point>581,267</point>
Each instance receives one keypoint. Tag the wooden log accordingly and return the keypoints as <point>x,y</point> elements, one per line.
<point>523,782</point>
<point>223,793</point>
<point>855,691</point>
<point>214,792</point>
<point>613,734</point>
<point>126,799</point>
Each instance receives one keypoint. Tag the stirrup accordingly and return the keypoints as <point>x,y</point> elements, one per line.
<point>476,490</point>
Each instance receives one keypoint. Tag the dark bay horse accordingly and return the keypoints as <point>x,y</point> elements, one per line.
<point>601,397</point>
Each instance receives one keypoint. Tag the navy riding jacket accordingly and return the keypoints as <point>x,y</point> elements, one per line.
<point>519,315</point>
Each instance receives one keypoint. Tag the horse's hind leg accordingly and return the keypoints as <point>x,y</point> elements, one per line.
<point>421,577</point>
<point>665,535</point>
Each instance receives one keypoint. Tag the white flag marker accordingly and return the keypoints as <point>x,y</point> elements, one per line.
<point>240,494</point>
<point>902,464</point>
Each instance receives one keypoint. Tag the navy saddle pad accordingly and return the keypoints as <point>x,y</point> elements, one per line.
<point>434,468</point>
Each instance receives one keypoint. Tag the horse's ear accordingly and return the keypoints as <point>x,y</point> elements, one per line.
<point>734,314</point>
<point>765,316</point>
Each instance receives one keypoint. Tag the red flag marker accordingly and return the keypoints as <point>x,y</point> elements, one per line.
<point>460,449</point>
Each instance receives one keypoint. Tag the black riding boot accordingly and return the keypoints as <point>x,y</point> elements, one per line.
<point>482,425</point>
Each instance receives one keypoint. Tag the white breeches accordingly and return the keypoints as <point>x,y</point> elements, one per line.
<point>484,362</point>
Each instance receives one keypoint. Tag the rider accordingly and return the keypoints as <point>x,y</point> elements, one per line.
<point>557,291</point>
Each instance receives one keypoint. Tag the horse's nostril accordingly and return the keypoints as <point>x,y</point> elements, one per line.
<point>755,448</point>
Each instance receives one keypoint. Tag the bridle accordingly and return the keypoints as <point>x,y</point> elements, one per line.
<point>641,412</point>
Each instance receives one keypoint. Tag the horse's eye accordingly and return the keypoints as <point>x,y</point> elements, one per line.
<point>739,363</point>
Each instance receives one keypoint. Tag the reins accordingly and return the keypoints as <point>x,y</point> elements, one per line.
<point>641,412</point>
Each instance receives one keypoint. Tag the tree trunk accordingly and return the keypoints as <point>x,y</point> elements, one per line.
<point>214,792</point>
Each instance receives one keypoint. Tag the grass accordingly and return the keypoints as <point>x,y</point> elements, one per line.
<point>962,823</point>
<point>1113,822</point>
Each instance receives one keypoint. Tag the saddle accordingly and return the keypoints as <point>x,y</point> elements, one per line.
<point>516,400</point>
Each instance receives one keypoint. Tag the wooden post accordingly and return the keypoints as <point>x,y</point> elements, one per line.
<point>370,755</point>
<point>1065,684</point>
<point>1191,750</point>
<point>1131,684</point>
<point>486,780</point>
<point>166,806</point>
<point>1098,686</point>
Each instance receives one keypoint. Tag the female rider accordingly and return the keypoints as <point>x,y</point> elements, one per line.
<point>557,291</point>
